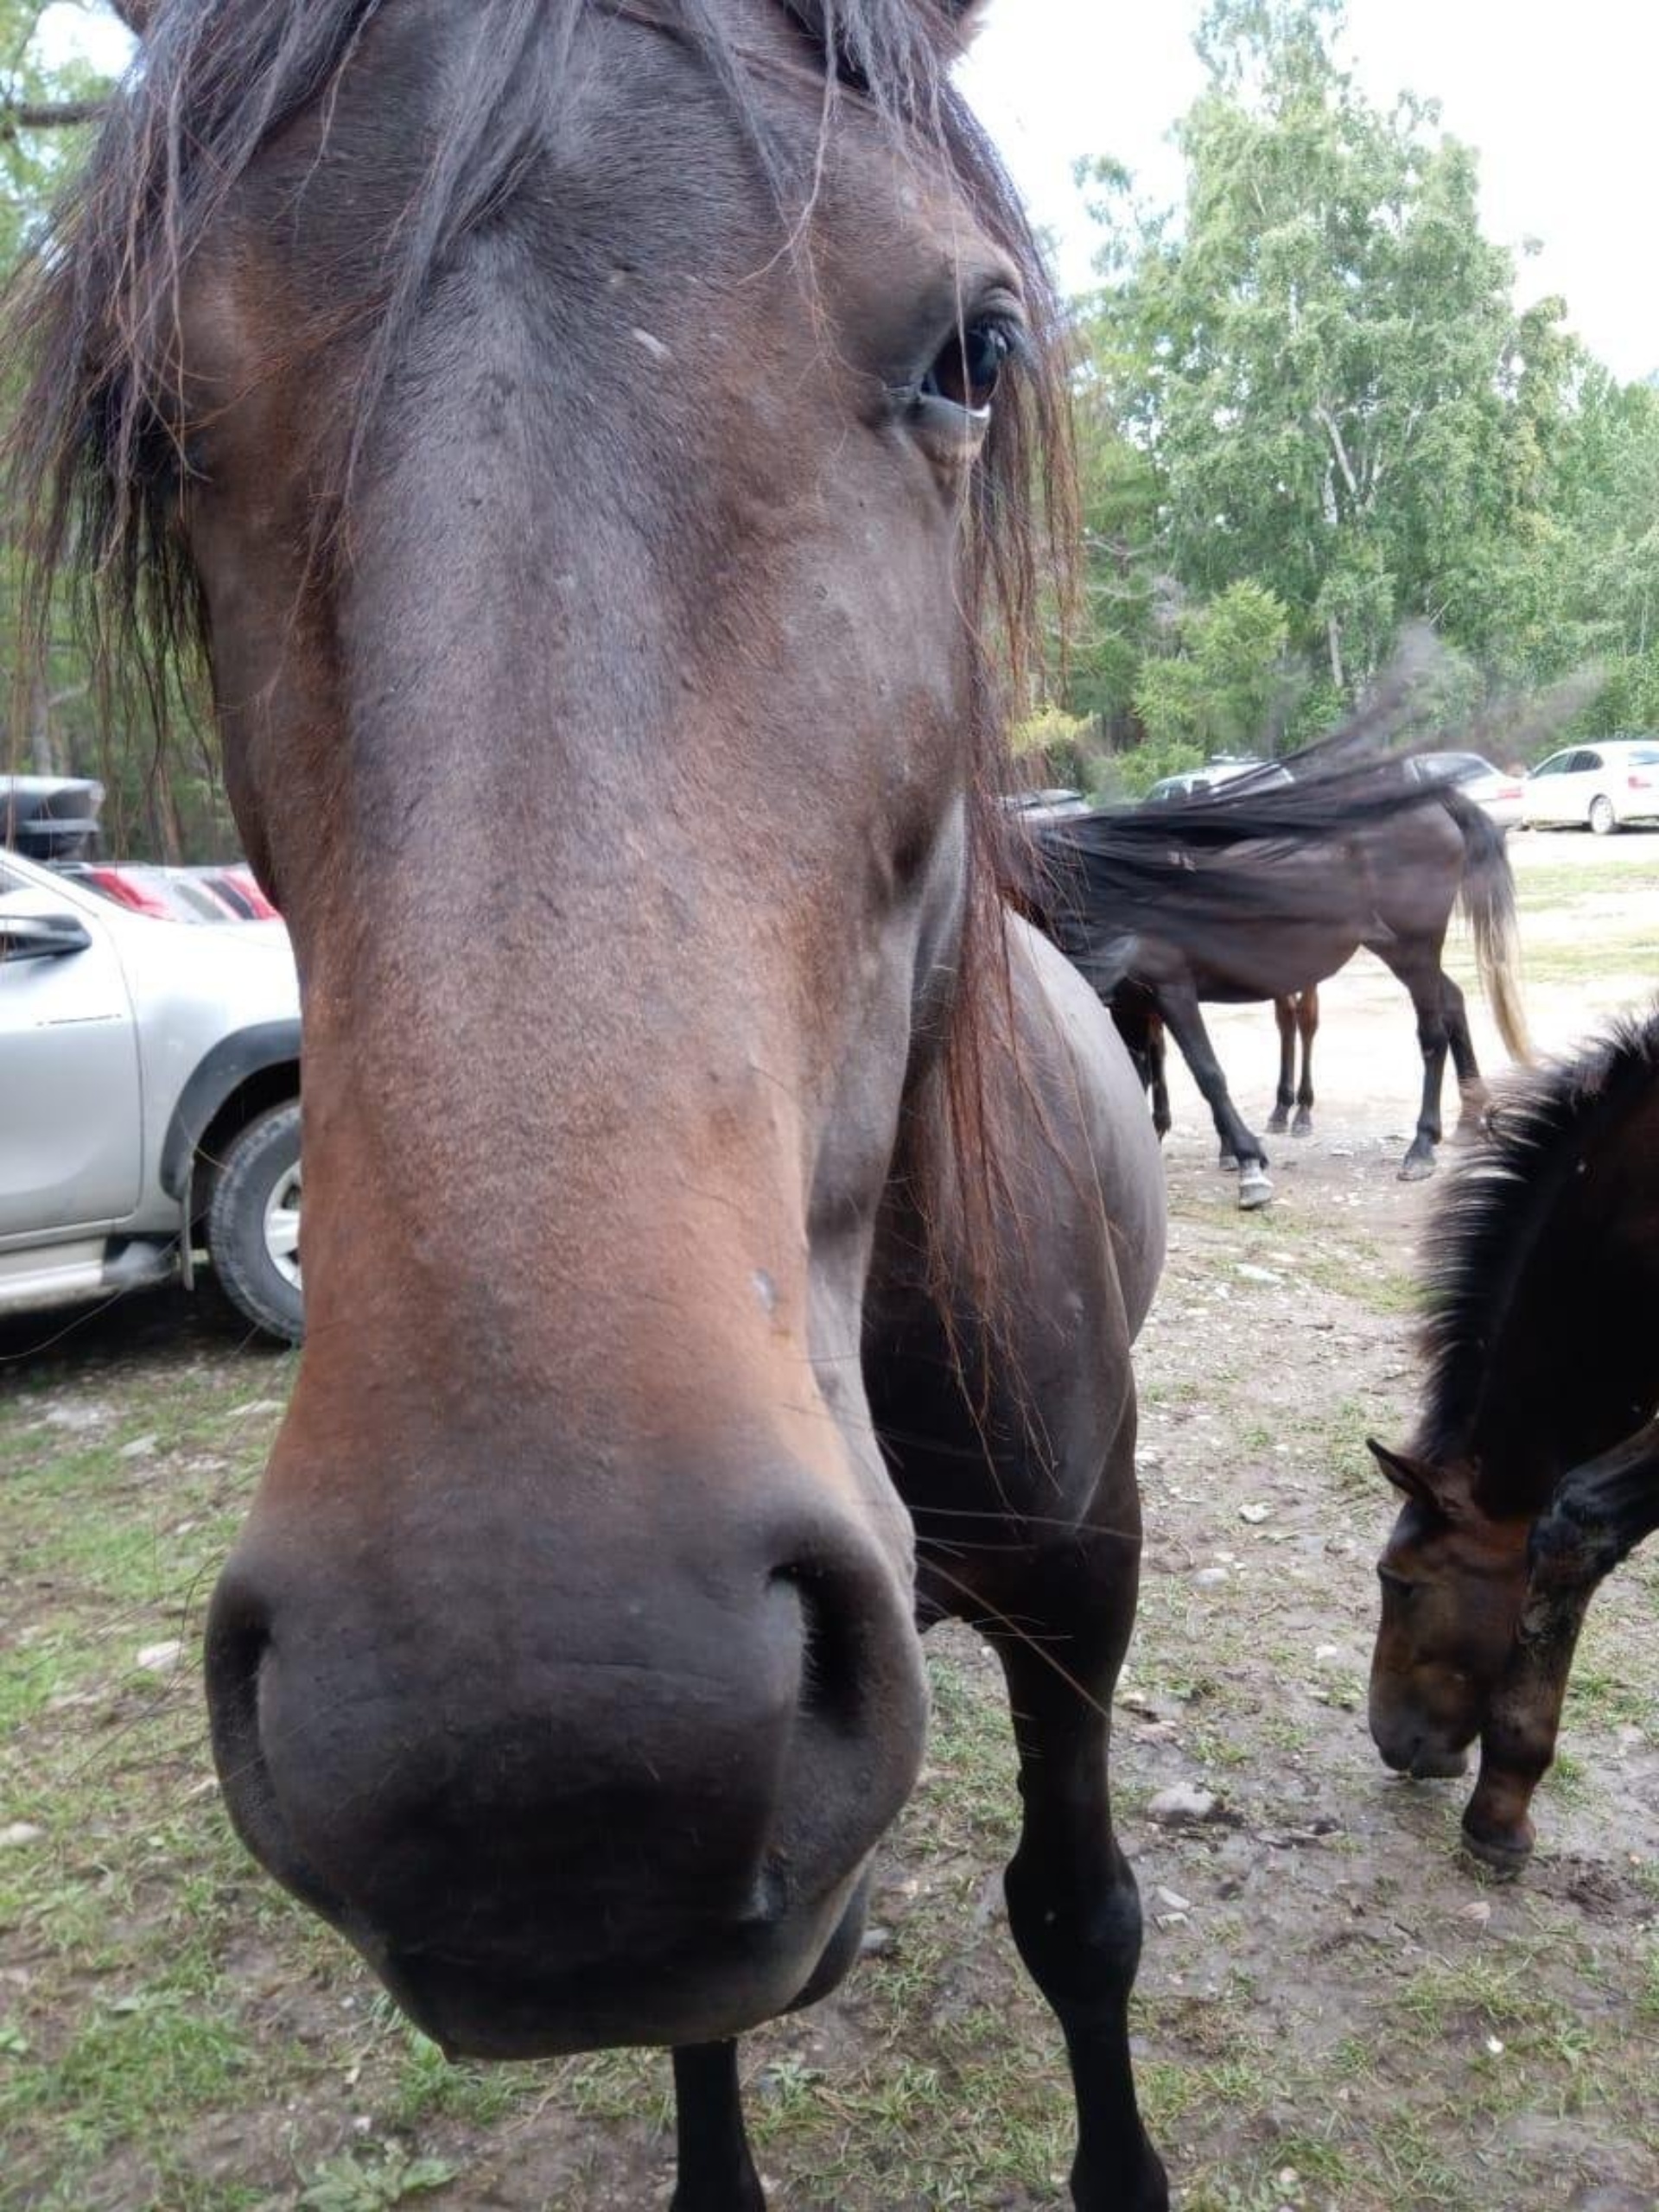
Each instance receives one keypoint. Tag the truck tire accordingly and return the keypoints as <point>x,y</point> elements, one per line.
<point>253,1223</point>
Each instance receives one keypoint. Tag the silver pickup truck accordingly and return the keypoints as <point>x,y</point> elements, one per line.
<point>149,1101</point>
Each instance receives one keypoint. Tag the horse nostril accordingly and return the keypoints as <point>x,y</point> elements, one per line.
<point>238,1636</point>
<point>831,1689</point>
<point>238,1645</point>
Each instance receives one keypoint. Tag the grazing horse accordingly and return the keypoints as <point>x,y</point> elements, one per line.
<point>1389,886</point>
<point>727,1226</point>
<point>1534,1466</point>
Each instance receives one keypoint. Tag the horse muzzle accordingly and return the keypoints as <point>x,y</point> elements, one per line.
<point>563,1797</point>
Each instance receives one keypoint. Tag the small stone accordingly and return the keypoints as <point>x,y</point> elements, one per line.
<point>18,1833</point>
<point>876,1940</point>
<point>1494,2046</point>
<point>141,1447</point>
<point>1182,1804</point>
<point>1479,1913</point>
<point>160,1658</point>
<point>1174,1900</point>
<point>1254,1513</point>
<point>1258,1274</point>
<point>75,1418</point>
<point>1208,1577</point>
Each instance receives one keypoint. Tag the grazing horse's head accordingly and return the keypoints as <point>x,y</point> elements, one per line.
<point>1454,1579</point>
<point>582,437</point>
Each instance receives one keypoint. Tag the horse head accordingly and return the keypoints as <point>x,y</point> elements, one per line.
<point>1453,1579</point>
<point>585,440</point>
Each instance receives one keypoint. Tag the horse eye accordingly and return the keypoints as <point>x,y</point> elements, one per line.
<point>968,369</point>
<point>1401,1585</point>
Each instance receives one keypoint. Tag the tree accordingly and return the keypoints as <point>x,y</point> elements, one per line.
<point>1338,399</point>
<point>1216,690</point>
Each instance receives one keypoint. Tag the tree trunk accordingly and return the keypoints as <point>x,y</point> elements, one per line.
<point>1333,637</point>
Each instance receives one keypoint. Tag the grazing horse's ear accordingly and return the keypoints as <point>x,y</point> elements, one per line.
<point>1444,1489</point>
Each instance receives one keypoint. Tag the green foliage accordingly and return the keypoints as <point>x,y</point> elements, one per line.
<point>349,2184</point>
<point>1137,772</point>
<point>1047,731</point>
<point>1215,691</point>
<point>1310,381</point>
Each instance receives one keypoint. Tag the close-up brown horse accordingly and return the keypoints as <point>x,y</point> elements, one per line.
<point>1533,1469</point>
<point>725,1224</point>
<point>621,422</point>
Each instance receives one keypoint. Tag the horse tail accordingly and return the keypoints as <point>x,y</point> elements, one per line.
<point>1488,894</point>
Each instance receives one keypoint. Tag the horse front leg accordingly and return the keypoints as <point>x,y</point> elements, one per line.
<point>1185,1021</point>
<point>1599,1513</point>
<point>715,2168</point>
<point>1073,1906</point>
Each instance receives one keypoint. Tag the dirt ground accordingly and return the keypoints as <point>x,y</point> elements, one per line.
<point>1335,2008</point>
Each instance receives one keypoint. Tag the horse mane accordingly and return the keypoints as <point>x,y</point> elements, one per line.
<point>1187,867</point>
<point>1531,1219</point>
<point>98,452</point>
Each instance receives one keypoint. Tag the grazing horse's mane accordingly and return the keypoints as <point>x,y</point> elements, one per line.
<point>1533,1212</point>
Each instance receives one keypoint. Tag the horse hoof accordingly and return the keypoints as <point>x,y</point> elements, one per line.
<point>1227,1163</point>
<point>1254,1189</point>
<point>1504,1854</point>
<point>1277,1125</point>
<point>1302,1126</point>
<point>1416,1167</point>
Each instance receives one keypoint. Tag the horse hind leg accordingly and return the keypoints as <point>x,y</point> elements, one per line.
<point>1307,1028</point>
<point>1428,987</point>
<point>1073,1906</point>
<point>716,2171</point>
<point>1473,1096</point>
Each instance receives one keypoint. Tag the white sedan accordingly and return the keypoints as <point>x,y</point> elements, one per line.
<point>1492,789</point>
<point>1602,785</point>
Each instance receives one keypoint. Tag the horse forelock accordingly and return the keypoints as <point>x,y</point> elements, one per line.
<point>1523,1273</point>
<point>98,450</point>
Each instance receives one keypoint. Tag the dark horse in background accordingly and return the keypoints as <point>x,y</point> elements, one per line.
<point>1533,1469</point>
<point>726,1229</point>
<point>1388,887</point>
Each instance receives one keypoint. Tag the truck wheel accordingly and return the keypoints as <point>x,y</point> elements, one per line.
<point>253,1223</point>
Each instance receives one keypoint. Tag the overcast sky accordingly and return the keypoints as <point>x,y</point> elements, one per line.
<point>1557,97</point>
